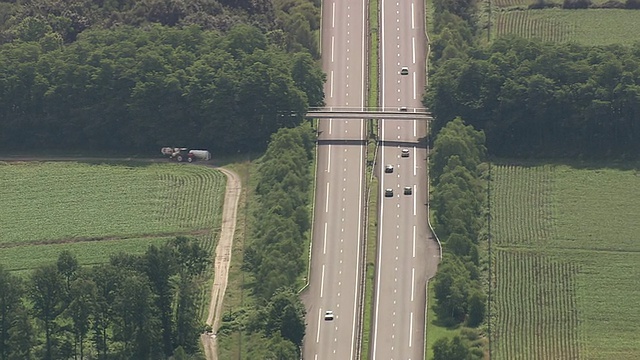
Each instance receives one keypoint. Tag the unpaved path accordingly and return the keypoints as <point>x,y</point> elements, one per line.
<point>221,261</point>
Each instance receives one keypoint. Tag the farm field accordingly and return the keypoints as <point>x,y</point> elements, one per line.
<point>585,26</point>
<point>566,251</point>
<point>95,210</point>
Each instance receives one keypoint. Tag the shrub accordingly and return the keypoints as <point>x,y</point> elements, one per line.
<point>576,4</point>
<point>632,4</point>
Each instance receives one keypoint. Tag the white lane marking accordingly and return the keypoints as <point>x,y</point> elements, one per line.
<point>414,241</point>
<point>413,18</point>
<point>414,135</point>
<point>414,200</point>
<point>331,92</point>
<point>329,159</point>
<point>324,246</point>
<point>316,357</point>
<point>414,85</point>
<point>411,329</point>
<point>413,48</point>
<point>415,161</point>
<point>322,282</point>
<point>333,17</point>
<point>319,320</point>
<point>413,279</point>
<point>333,46</point>
<point>326,202</point>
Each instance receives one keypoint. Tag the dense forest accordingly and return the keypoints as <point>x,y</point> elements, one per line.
<point>545,100</point>
<point>134,307</point>
<point>113,86</point>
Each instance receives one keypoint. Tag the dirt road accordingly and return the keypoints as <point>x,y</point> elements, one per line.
<point>221,261</point>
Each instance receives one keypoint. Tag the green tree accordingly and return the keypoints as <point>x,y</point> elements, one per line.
<point>477,308</point>
<point>67,266</point>
<point>21,335</point>
<point>83,297</point>
<point>285,315</point>
<point>160,266</point>
<point>451,290</point>
<point>461,140</point>
<point>47,295</point>
<point>186,322</point>
<point>451,349</point>
<point>135,318</point>
<point>11,292</point>
<point>106,278</point>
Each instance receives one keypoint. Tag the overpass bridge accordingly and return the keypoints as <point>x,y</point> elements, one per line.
<point>369,113</point>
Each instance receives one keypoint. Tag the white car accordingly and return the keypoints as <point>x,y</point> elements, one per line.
<point>328,315</point>
<point>404,70</point>
<point>405,153</point>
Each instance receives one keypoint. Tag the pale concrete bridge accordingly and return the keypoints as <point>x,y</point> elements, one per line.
<point>372,113</point>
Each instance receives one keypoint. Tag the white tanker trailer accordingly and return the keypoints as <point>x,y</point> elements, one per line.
<point>184,154</point>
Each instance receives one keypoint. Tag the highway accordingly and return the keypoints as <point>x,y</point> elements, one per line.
<point>334,282</point>
<point>407,255</point>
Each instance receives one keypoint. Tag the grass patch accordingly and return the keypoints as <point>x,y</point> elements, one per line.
<point>434,330</point>
<point>63,201</point>
<point>586,26</point>
<point>372,201</point>
<point>564,291</point>
<point>370,268</point>
<point>27,257</point>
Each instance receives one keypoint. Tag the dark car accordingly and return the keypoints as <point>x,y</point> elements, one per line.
<point>388,169</point>
<point>388,193</point>
<point>408,190</point>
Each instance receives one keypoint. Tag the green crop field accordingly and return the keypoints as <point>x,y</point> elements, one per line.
<point>587,26</point>
<point>95,210</point>
<point>566,250</point>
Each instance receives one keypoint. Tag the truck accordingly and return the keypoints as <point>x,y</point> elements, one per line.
<point>181,154</point>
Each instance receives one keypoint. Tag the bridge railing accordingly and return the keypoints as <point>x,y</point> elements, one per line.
<point>374,109</point>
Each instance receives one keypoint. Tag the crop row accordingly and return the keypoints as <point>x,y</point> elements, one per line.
<point>537,315</point>
<point>193,199</point>
<point>52,202</point>
<point>521,204</point>
<point>529,24</point>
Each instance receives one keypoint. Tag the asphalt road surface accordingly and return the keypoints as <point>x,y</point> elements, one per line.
<point>334,282</point>
<point>407,255</point>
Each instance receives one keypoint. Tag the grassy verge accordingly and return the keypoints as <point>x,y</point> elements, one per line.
<point>372,241</point>
<point>372,101</point>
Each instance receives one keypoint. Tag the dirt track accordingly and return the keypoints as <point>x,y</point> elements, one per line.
<point>221,261</point>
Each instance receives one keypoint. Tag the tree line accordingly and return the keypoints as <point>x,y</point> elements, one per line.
<point>457,206</point>
<point>134,307</point>
<point>292,22</point>
<point>536,99</point>
<point>274,257</point>
<point>134,90</point>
